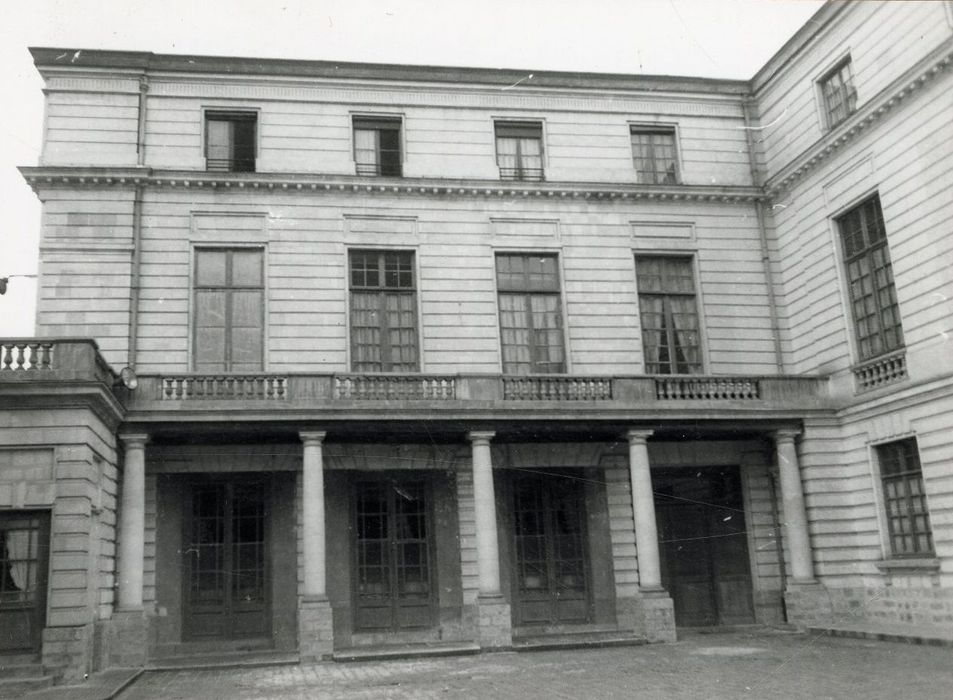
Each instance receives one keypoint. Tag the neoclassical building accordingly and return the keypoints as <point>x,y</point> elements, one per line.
<point>333,357</point>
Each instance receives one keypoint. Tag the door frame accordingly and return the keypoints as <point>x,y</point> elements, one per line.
<point>393,475</point>
<point>543,475</point>
<point>266,481</point>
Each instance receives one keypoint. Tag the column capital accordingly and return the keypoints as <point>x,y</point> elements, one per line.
<point>134,439</point>
<point>638,435</point>
<point>786,434</point>
<point>312,437</point>
<point>481,436</point>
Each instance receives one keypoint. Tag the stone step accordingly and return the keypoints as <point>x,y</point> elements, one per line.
<point>28,670</point>
<point>12,687</point>
<point>405,651</point>
<point>215,646</point>
<point>577,640</point>
<point>224,659</point>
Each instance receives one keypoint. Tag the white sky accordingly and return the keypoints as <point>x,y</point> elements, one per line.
<point>710,38</point>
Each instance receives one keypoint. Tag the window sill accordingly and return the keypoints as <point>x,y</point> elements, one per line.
<point>913,565</point>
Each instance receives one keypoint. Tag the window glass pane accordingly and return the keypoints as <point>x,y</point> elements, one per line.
<point>365,151</point>
<point>210,268</point>
<point>219,139</point>
<point>246,268</point>
<point>669,315</point>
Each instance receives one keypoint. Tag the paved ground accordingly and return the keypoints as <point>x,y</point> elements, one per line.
<point>760,664</point>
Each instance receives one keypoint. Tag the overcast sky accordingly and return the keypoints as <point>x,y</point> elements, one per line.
<point>711,38</point>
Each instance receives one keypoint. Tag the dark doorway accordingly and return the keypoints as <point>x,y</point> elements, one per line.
<point>226,560</point>
<point>704,545</point>
<point>393,550</point>
<point>552,576</point>
<point>24,566</point>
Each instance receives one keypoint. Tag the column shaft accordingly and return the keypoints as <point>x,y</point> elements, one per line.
<point>313,521</point>
<point>795,512</point>
<point>132,522</point>
<point>643,509</point>
<point>484,497</point>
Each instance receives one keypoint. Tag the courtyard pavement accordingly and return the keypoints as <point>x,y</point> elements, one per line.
<point>747,664</point>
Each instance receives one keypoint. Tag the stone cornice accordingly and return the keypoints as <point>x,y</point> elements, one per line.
<point>60,60</point>
<point>871,113</point>
<point>40,178</point>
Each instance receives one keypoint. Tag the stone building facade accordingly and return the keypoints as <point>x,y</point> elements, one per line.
<point>335,356</point>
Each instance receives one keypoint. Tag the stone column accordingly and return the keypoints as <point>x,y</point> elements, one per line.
<point>493,612</point>
<point>313,534</point>
<point>132,524</point>
<point>125,635</point>
<point>795,513</point>
<point>484,497</point>
<point>315,615</point>
<point>657,610</point>
<point>643,510</point>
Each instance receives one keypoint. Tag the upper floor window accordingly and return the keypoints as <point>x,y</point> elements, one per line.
<point>228,296</point>
<point>530,314</point>
<point>908,521</point>
<point>230,141</point>
<point>873,297</point>
<point>377,146</point>
<point>839,94</point>
<point>653,150</point>
<point>670,338</point>
<point>519,150</point>
<point>383,311</point>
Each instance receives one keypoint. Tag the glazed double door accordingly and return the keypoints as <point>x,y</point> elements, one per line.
<point>704,545</point>
<point>226,560</point>
<point>552,581</point>
<point>393,549</point>
<point>24,562</point>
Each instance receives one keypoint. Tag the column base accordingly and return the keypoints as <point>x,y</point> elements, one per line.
<point>655,611</point>
<point>494,622</point>
<point>808,604</point>
<point>124,640</point>
<point>315,629</point>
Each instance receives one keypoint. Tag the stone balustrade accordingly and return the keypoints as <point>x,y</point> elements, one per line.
<point>26,355</point>
<point>266,387</point>
<point>881,371</point>
<point>394,387</point>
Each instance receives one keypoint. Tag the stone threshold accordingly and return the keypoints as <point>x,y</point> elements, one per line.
<point>886,632</point>
<point>224,660</point>
<point>393,652</point>
<point>545,638</point>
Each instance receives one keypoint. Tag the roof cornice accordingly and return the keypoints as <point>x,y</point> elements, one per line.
<point>44,177</point>
<point>54,59</point>
<point>870,114</point>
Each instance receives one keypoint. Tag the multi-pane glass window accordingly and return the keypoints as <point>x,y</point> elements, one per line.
<point>377,146</point>
<point>669,314</point>
<point>530,314</point>
<point>229,309</point>
<point>519,150</point>
<point>908,521</point>
<point>20,542</point>
<point>653,150</point>
<point>840,96</point>
<point>873,297</point>
<point>383,311</point>
<point>230,141</point>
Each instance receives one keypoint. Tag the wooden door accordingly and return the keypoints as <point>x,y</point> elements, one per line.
<point>393,547</point>
<point>552,577</point>
<point>704,546</point>
<point>24,567</point>
<point>226,560</point>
